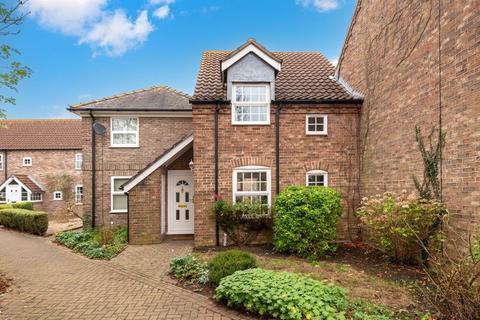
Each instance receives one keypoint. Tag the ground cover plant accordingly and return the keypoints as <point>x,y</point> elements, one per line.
<point>282,295</point>
<point>95,243</point>
<point>189,269</point>
<point>228,262</point>
<point>35,222</point>
<point>403,226</point>
<point>306,220</point>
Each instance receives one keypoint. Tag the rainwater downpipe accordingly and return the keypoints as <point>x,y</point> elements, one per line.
<point>217,111</point>
<point>277,147</point>
<point>93,169</point>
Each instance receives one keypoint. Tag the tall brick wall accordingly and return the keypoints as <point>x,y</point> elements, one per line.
<point>391,54</point>
<point>45,163</point>
<point>155,136</point>
<point>255,145</point>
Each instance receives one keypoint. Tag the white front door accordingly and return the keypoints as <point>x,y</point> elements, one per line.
<point>13,193</point>
<point>180,205</point>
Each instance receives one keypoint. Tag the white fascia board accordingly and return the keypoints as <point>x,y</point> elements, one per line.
<point>157,164</point>
<point>139,114</point>
<point>251,48</point>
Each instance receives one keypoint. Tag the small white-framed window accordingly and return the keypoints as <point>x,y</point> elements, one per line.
<point>252,184</point>
<point>1,162</point>
<point>78,161</point>
<point>78,194</point>
<point>317,178</point>
<point>124,132</point>
<point>250,104</point>
<point>119,202</point>
<point>27,161</point>
<point>57,195</point>
<point>316,124</point>
<point>36,197</point>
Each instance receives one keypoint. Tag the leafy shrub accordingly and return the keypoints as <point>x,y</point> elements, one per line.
<point>35,222</point>
<point>226,263</point>
<point>18,205</point>
<point>242,222</point>
<point>403,226</point>
<point>306,220</point>
<point>454,288</point>
<point>189,269</point>
<point>282,295</point>
<point>92,244</point>
<point>476,248</point>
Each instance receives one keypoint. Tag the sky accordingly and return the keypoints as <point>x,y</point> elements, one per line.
<point>81,50</point>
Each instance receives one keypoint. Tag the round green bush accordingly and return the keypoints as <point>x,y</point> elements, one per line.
<point>226,263</point>
<point>306,220</point>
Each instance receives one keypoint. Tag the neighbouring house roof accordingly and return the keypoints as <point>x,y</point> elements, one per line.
<point>24,180</point>
<point>167,157</point>
<point>304,76</point>
<point>45,134</point>
<point>158,98</point>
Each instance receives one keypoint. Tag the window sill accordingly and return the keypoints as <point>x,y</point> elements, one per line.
<point>317,134</point>
<point>118,211</point>
<point>251,123</point>
<point>124,147</point>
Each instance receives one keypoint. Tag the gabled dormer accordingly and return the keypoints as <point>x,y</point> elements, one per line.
<point>249,75</point>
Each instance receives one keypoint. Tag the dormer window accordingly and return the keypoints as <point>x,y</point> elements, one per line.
<point>251,104</point>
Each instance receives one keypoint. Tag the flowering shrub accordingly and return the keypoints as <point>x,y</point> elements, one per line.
<point>242,222</point>
<point>403,227</point>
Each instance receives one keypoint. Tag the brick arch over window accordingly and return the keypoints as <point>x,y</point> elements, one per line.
<point>316,165</point>
<point>251,161</point>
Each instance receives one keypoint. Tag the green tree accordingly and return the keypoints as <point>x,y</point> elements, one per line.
<point>11,70</point>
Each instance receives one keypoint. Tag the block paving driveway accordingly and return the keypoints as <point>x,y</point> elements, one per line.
<point>51,282</point>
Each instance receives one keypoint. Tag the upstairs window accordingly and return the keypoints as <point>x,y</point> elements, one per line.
<point>58,195</point>
<point>124,132</point>
<point>316,124</point>
<point>27,162</point>
<point>78,161</point>
<point>317,178</point>
<point>36,196</point>
<point>252,184</point>
<point>251,104</point>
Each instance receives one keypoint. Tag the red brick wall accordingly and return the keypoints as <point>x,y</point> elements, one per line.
<point>45,163</point>
<point>156,135</point>
<point>255,145</point>
<point>392,56</point>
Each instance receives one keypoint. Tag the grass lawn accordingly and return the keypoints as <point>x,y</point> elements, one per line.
<point>365,273</point>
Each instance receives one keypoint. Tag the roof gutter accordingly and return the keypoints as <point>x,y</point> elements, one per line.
<point>287,101</point>
<point>128,110</point>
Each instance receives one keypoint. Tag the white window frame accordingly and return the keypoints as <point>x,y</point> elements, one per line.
<point>252,193</point>
<point>27,164</point>
<point>1,162</point>
<point>325,125</point>
<point>31,197</point>
<point>241,103</point>
<point>78,161</point>
<point>134,145</point>
<point>77,194</point>
<point>55,193</point>
<point>112,193</point>
<point>317,172</point>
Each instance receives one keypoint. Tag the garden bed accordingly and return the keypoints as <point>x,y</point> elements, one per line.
<point>366,274</point>
<point>95,243</point>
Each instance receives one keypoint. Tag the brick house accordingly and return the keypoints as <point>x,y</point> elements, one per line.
<point>417,62</point>
<point>258,121</point>
<point>32,153</point>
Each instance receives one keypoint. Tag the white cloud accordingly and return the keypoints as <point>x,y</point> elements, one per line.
<point>107,32</point>
<point>69,17</point>
<point>320,5</point>
<point>162,12</point>
<point>164,2</point>
<point>115,34</point>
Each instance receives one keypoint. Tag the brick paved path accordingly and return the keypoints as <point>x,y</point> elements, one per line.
<point>50,282</point>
